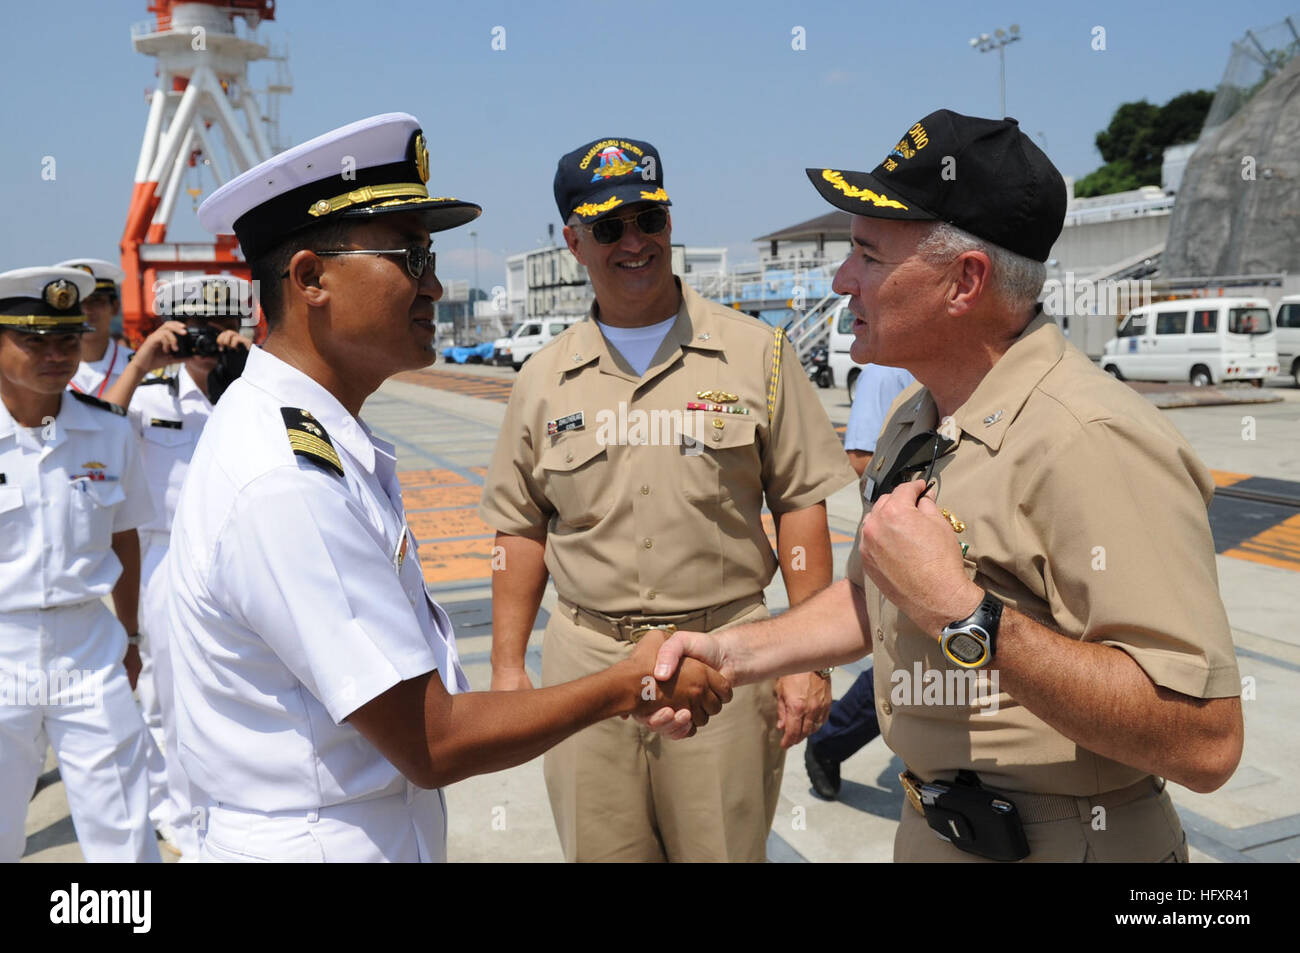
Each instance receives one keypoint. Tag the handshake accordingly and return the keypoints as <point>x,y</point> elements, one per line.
<point>682,682</point>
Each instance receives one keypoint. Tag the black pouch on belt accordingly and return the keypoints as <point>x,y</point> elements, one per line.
<point>975,819</point>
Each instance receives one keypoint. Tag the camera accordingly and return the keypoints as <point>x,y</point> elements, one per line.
<point>198,342</point>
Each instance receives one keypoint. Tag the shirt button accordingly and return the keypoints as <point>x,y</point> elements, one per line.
<point>645,490</point>
<point>887,708</point>
<point>717,435</point>
<point>568,458</point>
<point>648,543</point>
<point>880,632</point>
<point>651,594</point>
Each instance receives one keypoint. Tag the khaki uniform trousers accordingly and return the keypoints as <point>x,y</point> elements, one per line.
<point>620,792</point>
<point>1145,830</point>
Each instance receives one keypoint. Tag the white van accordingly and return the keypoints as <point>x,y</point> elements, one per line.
<point>843,370</point>
<point>1287,328</point>
<point>1200,340</point>
<point>527,339</point>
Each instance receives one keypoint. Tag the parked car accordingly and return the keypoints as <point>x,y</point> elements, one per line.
<point>528,338</point>
<point>1287,327</point>
<point>469,353</point>
<point>1199,340</point>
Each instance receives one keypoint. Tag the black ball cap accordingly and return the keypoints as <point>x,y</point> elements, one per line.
<point>985,176</point>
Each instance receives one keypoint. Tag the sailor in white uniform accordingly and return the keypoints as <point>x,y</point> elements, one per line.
<point>72,493</point>
<point>168,406</point>
<point>103,357</point>
<point>321,705</point>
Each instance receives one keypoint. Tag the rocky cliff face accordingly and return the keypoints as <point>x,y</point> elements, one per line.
<point>1238,209</point>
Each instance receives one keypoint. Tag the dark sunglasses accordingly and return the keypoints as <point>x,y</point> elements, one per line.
<point>650,221</point>
<point>919,453</point>
<point>418,257</point>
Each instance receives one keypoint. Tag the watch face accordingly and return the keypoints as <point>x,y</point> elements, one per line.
<point>966,648</point>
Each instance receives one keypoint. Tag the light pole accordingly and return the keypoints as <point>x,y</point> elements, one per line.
<point>998,41</point>
<point>470,304</point>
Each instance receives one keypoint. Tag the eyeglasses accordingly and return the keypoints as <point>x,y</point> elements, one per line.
<point>650,221</point>
<point>418,257</point>
<point>919,453</point>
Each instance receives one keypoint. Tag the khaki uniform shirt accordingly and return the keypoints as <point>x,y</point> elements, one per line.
<point>648,507</point>
<point>1084,509</point>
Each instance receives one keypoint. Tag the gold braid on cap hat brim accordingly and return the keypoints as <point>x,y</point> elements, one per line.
<point>397,193</point>
<point>41,321</point>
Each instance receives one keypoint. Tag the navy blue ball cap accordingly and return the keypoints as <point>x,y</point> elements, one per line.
<point>606,174</point>
<point>984,176</point>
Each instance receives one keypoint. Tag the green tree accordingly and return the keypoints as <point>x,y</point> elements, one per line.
<point>1133,145</point>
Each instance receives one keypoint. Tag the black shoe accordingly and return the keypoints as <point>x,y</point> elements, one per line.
<point>824,775</point>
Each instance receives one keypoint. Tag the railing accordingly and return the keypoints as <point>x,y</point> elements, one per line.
<point>1122,210</point>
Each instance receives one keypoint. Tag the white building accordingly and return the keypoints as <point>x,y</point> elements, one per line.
<point>549,281</point>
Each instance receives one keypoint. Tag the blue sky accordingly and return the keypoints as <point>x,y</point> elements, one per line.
<point>735,111</point>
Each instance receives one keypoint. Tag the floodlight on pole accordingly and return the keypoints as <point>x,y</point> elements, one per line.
<point>987,44</point>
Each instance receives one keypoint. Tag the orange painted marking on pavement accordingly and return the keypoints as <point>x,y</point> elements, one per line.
<point>438,497</point>
<point>1277,546</point>
<point>434,526</point>
<point>429,478</point>
<point>1224,478</point>
<point>456,560</point>
<point>471,385</point>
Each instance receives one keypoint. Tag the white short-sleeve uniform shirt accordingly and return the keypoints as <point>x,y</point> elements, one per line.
<point>65,488</point>
<point>168,414</point>
<point>295,596</point>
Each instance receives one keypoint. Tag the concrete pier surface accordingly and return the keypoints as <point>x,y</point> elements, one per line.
<point>444,422</point>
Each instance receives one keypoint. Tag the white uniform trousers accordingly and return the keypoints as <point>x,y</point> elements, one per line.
<point>410,827</point>
<point>62,683</point>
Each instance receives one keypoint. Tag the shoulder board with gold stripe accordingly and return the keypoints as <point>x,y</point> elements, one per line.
<point>97,403</point>
<point>309,439</point>
<point>161,377</point>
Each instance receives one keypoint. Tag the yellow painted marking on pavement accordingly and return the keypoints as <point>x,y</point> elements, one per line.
<point>1278,546</point>
<point>1224,478</point>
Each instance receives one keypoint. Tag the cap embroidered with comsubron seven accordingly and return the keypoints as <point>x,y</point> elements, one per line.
<point>607,173</point>
<point>985,176</point>
<point>309,439</point>
<point>370,167</point>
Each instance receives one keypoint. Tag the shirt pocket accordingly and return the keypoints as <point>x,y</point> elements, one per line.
<point>166,436</point>
<point>12,535</point>
<point>578,480</point>
<point>91,514</point>
<point>716,450</point>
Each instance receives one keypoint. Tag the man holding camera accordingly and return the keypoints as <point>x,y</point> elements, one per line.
<point>168,412</point>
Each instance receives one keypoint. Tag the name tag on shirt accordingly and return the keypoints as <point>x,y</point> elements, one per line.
<point>399,553</point>
<point>561,424</point>
<point>169,424</point>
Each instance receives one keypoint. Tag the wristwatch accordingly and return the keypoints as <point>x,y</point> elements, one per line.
<point>972,641</point>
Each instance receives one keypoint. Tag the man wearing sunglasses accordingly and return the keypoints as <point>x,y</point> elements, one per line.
<point>1026,518</point>
<point>320,700</point>
<point>651,528</point>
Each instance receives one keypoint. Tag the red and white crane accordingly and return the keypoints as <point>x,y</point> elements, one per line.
<point>203,114</point>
